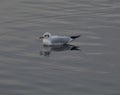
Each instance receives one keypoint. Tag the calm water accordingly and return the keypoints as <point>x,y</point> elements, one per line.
<point>28,68</point>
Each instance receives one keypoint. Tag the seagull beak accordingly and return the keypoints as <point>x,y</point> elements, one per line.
<point>41,37</point>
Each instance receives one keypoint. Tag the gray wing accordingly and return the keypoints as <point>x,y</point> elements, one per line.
<point>60,39</point>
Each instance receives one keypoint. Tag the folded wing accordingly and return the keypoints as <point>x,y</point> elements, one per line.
<point>60,39</point>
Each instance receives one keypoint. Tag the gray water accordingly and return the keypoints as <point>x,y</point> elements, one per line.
<point>27,69</point>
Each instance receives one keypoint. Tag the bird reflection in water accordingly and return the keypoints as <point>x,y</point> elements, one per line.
<point>46,50</point>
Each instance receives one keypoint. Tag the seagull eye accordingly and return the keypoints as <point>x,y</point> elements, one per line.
<point>46,36</point>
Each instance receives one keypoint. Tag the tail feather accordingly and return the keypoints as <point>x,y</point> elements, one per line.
<point>74,37</point>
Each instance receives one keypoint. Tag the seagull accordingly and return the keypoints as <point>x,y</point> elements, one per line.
<point>49,39</point>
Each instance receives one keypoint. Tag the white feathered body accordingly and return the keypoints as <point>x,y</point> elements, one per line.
<point>57,40</point>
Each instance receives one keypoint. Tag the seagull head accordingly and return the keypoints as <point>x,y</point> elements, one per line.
<point>46,35</point>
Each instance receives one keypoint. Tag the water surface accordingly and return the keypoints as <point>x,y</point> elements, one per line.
<point>92,70</point>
